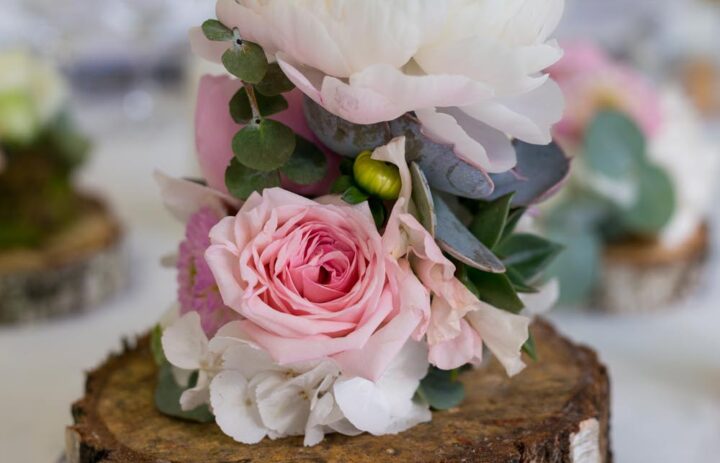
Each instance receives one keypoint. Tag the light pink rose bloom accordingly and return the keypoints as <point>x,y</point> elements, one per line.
<point>473,72</point>
<point>313,281</point>
<point>215,129</point>
<point>591,81</point>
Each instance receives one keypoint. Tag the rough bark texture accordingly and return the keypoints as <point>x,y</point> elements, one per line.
<point>644,276</point>
<point>556,411</point>
<point>72,273</point>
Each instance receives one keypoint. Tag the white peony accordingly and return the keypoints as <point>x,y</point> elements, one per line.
<point>691,160</point>
<point>32,92</point>
<point>472,70</point>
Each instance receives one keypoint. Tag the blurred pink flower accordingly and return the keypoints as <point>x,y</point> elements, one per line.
<point>197,290</point>
<point>215,129</point>
<point>592,81</point>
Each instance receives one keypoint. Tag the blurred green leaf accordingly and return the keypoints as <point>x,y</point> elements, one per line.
<point>216,31</point>
<point>655,203</point>
<point>307,165</point>
<point>614,145</point>
<point>167,397</point>
<point>528,254</point>
<point>242,181</point>
<point>266,146</point>
<point>441,390</point>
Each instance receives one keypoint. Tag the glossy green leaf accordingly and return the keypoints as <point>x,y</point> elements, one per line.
<point>242,181</point>
<point>354,195</point>
<point>266,146</point>
<point>527,254</point>
<point>530,348</point>
<point>512,220</point>
<point>614,145</point>
<point>342,184</point>
<point>489,222</point>
<point>379,213</point>
<point>246,61</point>
<point>519,283</point>
<point>216,31</point>
<point>275,82</point>
<point>241,110</point>
<point>441,390</point>
<point>655,203</point>
<point>167,397</point>
<point>308,165</point>
<point>497,290</point>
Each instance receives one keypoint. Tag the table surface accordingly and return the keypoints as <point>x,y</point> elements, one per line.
<point>665,368</point>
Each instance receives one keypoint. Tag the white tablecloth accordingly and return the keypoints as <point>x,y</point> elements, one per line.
<point>665,369</point>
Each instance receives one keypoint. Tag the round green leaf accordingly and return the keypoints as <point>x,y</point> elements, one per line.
<point>265,146</point>
<point>307,165</point>
<point>242,181</point>
<point>614,145</point>
<point>246,61</point>
<point>655,203</point>
<point>241,110</point>
<point>216,31</point>
<point>577,267</point>
<point>275,82</point>
<point>441,390</point>
<point>167,397</point>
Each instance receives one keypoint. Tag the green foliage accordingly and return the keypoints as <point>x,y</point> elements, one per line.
<point>308,165</point>
<point>167,397</point>
<point>241,108</point>
<point>246,61</point>
<point>216,31</point>
<point>490,220</point>
<point>441,389</point>
<point>655,203</point>
<point>275,82</point>
<point>354,195</point>
<point>530,348</point>
<point>265,146</point>
<point>496,289</point>
<point>379,213</point>
<point>242,181</point>
<point>156,345</point>
<point>614,145</point>
<point>527,254</point>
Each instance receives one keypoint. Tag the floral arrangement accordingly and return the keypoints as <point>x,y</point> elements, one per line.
<point>354,244</point>
<point>642,167</point>
<point>39,150</point>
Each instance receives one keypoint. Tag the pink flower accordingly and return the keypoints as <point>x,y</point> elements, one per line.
<point>313,281</point>
<point>197,290</point>
<point>215,129</point>
<point>591,82</point>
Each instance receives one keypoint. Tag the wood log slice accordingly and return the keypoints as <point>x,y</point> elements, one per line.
<point>73,272</point>
<point>646,276</point>
<point>556,411</point>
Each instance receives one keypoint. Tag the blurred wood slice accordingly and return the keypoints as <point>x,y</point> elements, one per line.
<point>73,272</point>
<point>556,411</point>
<point>642,276</point>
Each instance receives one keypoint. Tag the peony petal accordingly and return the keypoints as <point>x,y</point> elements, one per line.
<point>528,117</point>
<point>504,334</point>
<point>185,343</point>
<point>234,408</point>
<point>474,142</point>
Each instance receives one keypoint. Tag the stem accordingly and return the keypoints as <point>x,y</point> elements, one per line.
<point>257,117</point>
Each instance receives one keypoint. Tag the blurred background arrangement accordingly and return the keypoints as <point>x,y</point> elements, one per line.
<point>131,85</point>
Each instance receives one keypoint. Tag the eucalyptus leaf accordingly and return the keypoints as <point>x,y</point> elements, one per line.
<point>528,254</point>
<point>167,398</point>
<point>614,145</point>
<point>216,31</point>
<point>266,146</point>
<point>539,172</point>
<point>455,239</point>
<point>655,203</point>
<point>422,197</point>
<point>241,110</point>
<point>275,82</point>
<point>242,181</point>
<point>489,222</point>
<point>441,390</point>
<point>578,266</point>
<point>156,345</point>
<point>443,169</point>
<point>246,61</point>
<point>497,290</point>
<point>307,165</point>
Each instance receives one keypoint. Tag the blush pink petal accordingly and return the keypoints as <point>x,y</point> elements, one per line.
<point>465,348</point>
<point>183,198</point>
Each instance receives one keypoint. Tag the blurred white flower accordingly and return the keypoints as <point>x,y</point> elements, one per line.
<point>472,70</point>
<point>32,92</point>
<point>691,160</point>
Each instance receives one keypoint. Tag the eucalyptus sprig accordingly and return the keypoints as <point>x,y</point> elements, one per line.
<point>265,149</point>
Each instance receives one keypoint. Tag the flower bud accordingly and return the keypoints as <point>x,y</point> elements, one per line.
<point>377,177</point>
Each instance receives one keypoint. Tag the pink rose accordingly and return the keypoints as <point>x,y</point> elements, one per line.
<point>591,81</point>
<point>215,129</point>
<point>313,281</point>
